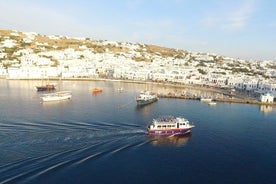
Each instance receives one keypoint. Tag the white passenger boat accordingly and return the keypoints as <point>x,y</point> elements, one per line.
<point>146,97</point>
<point>169,125</point>
<point>58,96</point>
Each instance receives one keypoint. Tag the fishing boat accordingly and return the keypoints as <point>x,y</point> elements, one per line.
<point>47,87</point>
<point>97,90</point>
<point>146,97</point>
<point>58,96</point>
<point>169,125</point>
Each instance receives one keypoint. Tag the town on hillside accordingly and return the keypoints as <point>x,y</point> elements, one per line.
<point>29,55</point>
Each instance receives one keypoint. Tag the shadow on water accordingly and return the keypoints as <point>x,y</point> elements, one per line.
<point>172,140</point>
<point>145,109</point>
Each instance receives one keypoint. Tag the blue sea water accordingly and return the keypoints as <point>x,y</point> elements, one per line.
<point>102,138</point>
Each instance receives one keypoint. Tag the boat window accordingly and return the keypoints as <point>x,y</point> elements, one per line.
<point>173,125</point>
<point>164,126</point>
<point>159,126</point>
<point>169,125</point>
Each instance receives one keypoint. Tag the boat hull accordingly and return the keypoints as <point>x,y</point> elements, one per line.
<point>96,91</point>
<point>49,99</point>
<point>45,88</point>
<point>59,96</point>
<point>145,102</point>
<point>179,131</point>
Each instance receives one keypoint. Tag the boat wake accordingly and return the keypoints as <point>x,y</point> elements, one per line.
<point>59,146</point>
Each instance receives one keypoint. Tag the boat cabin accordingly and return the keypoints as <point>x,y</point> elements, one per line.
<point>171,124</point>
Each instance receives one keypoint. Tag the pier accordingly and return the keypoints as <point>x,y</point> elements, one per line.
<point>217,95</point>
<point>226,100</point>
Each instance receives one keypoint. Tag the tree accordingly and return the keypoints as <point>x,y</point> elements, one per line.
<point>201,71</point>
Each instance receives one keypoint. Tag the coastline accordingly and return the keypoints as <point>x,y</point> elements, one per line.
<point>176,90</point>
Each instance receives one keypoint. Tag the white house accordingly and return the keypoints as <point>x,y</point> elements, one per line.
<point>267,98</point>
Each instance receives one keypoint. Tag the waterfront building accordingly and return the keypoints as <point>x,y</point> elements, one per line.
<point>267,98</point>
<point>266,87</point>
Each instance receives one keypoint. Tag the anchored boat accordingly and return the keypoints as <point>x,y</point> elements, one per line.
<point>58,96</point>
<point>146,97</point>
<point>169,125</point>
<point>47,87</point>
<point>97,90</point>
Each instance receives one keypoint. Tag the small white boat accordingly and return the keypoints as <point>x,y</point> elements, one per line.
<point>58,96</point>
<point>212,103</point>
<point>121,89</point>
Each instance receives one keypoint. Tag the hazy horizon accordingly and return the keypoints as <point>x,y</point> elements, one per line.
<point>242,29</point>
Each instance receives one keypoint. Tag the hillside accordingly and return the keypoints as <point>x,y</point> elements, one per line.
<point>15,44</point>
<point>41,43</point>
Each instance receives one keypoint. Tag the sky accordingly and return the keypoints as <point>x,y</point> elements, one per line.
<point>244,29</point>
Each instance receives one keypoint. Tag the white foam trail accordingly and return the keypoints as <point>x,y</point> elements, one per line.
<point>48,169</point>
<point>87,158</point>
<point>9,180</point>
<point>142,143</point>
<point>119,149</point>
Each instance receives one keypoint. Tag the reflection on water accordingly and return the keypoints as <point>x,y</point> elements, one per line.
<point>146,109</point>
<point>267,108</point>
<point>55,102</point>
<point>173,140</point>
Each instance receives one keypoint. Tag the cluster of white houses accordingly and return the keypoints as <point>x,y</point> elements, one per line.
<point>84,63</point>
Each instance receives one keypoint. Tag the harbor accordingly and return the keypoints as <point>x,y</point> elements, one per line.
<point>88,139</point>
<point>216,94</point>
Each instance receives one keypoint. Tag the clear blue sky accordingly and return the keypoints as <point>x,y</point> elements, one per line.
<point>243,29</point>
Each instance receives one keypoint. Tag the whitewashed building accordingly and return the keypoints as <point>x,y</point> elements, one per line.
<point>267,98</point>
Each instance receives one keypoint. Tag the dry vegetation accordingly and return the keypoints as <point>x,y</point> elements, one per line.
<point>42,42</point>
<point>165,52</point>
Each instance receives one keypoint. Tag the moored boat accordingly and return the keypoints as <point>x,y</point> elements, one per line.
<point>169,125</point>
<point>97,90</point>
<point>212,103</point>
<point>58,96</point>
<point>47,87</point>
<point>146,97</point>
<point>121,89</point>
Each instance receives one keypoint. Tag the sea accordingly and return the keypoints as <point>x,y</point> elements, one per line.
<point>101,138</point>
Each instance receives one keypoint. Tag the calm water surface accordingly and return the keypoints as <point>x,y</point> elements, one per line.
<point>101,138</point>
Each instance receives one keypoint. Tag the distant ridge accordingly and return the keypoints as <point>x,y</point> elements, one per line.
<point>42,43</point>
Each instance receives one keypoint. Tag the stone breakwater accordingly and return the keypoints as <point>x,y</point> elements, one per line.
<point>216,94</point>
<point>226,100</point>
